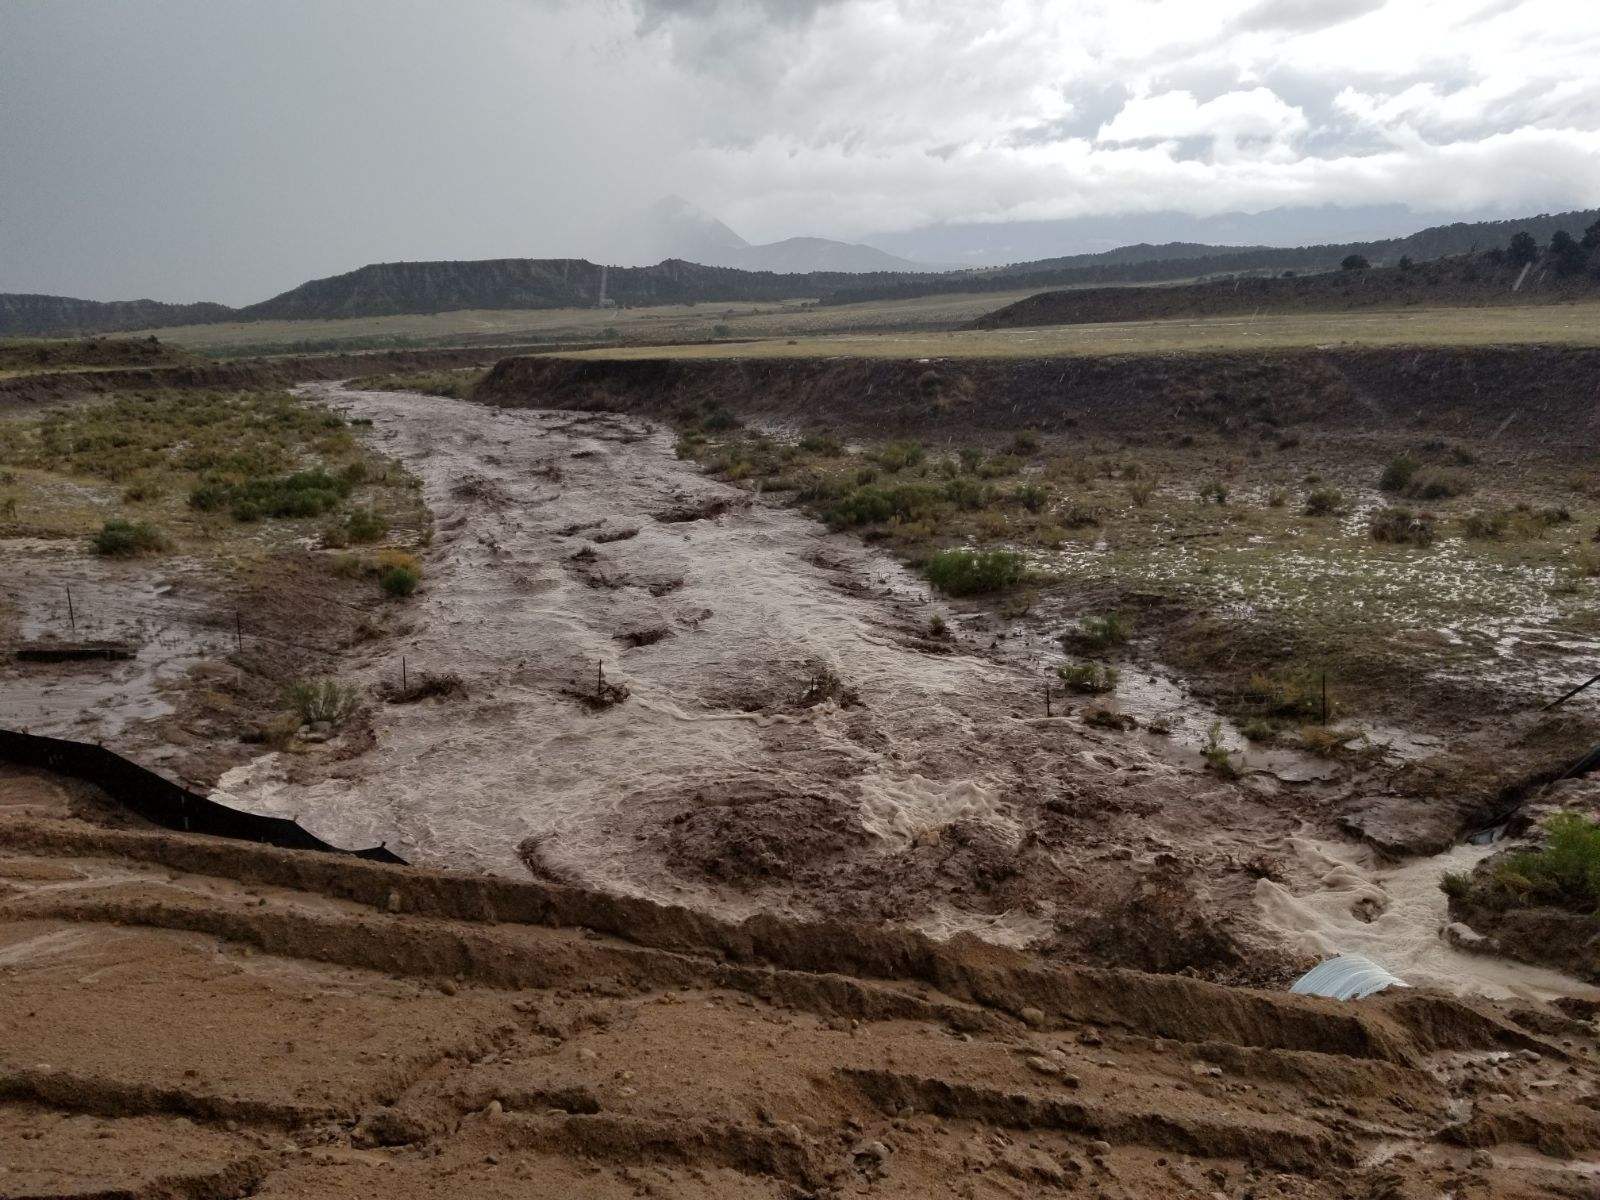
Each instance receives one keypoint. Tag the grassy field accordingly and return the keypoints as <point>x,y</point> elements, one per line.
<point>669,323</point>
<point>1252,561</point>
<point>1574,324</point>
<point>206,473</point>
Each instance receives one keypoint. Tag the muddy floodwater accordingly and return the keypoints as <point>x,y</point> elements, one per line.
<point>671,689</point>
<point>574,554</point>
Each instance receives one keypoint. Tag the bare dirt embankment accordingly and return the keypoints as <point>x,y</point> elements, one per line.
<point>1523,395</point>
<point>186,1016</point>
<point>41,384</point>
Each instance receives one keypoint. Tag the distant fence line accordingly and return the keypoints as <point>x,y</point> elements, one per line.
<point>159,800</point>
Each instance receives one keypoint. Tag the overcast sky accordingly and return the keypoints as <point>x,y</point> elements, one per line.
<point>227,150</point>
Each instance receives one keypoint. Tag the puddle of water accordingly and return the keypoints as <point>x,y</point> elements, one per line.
<point>161,615</point>
<point>1317,915</point>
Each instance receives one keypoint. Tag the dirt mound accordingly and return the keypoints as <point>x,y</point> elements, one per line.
<point>185,1015</point>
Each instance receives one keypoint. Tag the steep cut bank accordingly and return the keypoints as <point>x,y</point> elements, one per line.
<point>1535,394</point>
<point>1453,282</point>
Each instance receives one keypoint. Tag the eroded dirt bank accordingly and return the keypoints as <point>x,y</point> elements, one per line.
<point>184,1016</point>
<point>1519,395</point>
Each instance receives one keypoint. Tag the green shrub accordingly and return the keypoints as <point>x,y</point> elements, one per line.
<point>1026,442</point>
<point>823,444</point>
<point>897,456</point>
<point>998,467</point>
<point>874,505</point>
<point>1325,502</point>
<point>1438,485</point>
<point>399,582</point>
<point>718,420</point>
<point>973,572</point>
<point>1101,633</point>
<point>1214,491</point>
<point>1485,524</point>
<point>1564,872</point>
<point>1088,678</point>
<point>127,539</point>
<point>302,494</point>
<point>1401,526</point>
<point>1398,474</point>
<point>967,493</point>
<point>1031,496</point>
<point>363,526</point>
<point>315,700</point>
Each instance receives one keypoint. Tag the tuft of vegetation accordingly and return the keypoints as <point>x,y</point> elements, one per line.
<point>399,573</point>
<point>1401,526</point>
<point>1218,760</point>
<point>129,539</point>
<point>1214,491</point>
<point>898,456</point>
<point>973,572</point>
<point>457,384</point>
<point>301,494</point>
<point>1100,633</point>
<point>326,700</point>
<point>364,526</point>
<point>1025,443</point>
<point>1398,474</point>
<point>1486,524</point>
<point>1564,872</point>
<point>1089,678</point>
<point>1325,502</point>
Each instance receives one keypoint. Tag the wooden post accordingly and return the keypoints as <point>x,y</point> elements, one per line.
<point>402,672</point>
<point>72,616</point>
<point>599,678</point>
<point>238,631</point>
<point>1047,698</point>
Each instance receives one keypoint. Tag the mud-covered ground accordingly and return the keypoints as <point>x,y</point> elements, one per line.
<point>671,689</point>
<point>182,1016</point>
<point>623,674</point>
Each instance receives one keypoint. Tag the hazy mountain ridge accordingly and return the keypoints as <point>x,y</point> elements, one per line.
<point>30,313</point>
<point>382,289</point>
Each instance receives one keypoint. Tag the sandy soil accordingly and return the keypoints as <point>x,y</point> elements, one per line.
<point>182,1016</point>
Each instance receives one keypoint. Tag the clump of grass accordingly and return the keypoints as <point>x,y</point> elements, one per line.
<point>1564,872</point>
<point>1325,502</point>
<point>1214,491</point>
<point>364,526</point>
<point>1438,485</point>
<point>1218,760</point>
<point>1101,632</point>
<point>1286,696</point>
<point>1258,730</point>
<point>718,419</point>
<point>325,700</point>
<point>1031,496</point>
<point>1140,492</point>
<point>1399,472</point>
<point>128,539</point>
<point>938,627</point>
<point>1485,524</point>
<point>898,456</point>
<point>1026,442</point>
<point>457,384</point>
<point>1277,498</point>
<point>399,573</point>
<point>1088,678</point>
<point>824,445</point>
<point>301,494</point>
<point>1401,526</point>
<point>973,572</point>
<point>1323,741</point>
